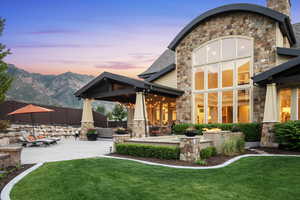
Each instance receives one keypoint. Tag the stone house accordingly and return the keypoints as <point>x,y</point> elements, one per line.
<point>237,63</point>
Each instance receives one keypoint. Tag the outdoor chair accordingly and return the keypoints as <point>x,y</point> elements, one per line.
<point>28,142</point>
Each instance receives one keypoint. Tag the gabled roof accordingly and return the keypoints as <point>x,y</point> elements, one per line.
<point>288,51</point>
<point>162,72</point>
<point>135,83</point>
<point>297,34</point>
<point>267,76</point>
<point>284,20</point>
<point>164,60</point>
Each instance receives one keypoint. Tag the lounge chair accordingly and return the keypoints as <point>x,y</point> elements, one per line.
<point>28,142</point>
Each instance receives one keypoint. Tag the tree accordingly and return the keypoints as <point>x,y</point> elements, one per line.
<point>5,79</point>
<point>119,113</point>
<point>101,109</point>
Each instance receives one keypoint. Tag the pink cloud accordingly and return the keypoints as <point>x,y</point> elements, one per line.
<point>59,46</point>
<point>117,65</point>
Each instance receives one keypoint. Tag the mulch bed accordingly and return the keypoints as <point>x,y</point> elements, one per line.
<point>212,161</point>
<point>278,151</point>
<point>12,172</point>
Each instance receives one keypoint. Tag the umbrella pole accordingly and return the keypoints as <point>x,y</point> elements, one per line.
<point>31,115</point>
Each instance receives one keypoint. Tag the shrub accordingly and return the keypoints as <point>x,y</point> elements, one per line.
<point>150,151</point>
<point>201,162</point>
<point>234,146</point>
<point>288,135</point>
<point>4,124</point>
<point>252,131</point>
<point>208,152</point>
<point>92,132</point>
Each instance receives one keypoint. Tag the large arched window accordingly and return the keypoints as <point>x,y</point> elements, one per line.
<point>222,71</point>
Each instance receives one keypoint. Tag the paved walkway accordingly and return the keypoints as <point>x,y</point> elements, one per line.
<point>66,149</point>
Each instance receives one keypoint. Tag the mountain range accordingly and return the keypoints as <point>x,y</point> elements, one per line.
<point>54,90</point>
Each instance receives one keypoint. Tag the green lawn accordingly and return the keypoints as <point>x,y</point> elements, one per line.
<point>92,179</point>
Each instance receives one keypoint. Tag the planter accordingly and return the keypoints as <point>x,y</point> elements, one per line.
<point>191,133</point>
<point>121,132</point>
<point>92,137</point>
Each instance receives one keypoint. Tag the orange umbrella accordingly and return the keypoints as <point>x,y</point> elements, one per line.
<point>30,109</point>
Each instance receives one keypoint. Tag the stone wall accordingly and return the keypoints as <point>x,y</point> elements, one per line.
<point>12,135</point>
<point>258,27</point>
<point>221,137</point>
<point>282,6</point>
<point>190,148</point>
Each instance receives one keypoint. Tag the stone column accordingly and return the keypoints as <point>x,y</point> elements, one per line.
<point>130,116</point>
<point>87,121</point>
<point>270,117</point>
<point>190,149</point>
<point>140,127</point>
<point>119,139</point>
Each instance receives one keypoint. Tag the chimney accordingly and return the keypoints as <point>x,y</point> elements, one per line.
<point>283,6</point>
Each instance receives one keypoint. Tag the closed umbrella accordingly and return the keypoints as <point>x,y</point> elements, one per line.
<point>30,109</point>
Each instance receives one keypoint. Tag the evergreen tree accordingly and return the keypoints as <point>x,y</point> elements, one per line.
<point>119,113</point>
<point>5,79</point>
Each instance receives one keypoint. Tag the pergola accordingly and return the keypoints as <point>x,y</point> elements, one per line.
<point>135,94</point>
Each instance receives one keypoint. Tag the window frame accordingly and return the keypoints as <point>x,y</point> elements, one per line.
<point>220,89</point>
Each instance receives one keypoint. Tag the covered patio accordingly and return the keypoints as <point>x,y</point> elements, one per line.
<point>149,105</point>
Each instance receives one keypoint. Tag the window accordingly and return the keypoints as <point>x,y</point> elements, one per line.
<point>222,80</point>
<point>285,99</point>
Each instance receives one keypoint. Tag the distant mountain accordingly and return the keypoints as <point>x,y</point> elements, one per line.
<point>54,90</point>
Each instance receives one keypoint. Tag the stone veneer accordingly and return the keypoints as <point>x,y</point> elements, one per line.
<point>267,135</point>
<point>258,27</point>
<point>119,139</point>
<point>283,6</point>
<point>190,148</point>
<point>138,129</point>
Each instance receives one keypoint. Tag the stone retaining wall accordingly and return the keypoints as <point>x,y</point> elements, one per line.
<point>11,135</point>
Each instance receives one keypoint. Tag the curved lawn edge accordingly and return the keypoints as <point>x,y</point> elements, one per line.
<point>8,187</point>
<point>228,162</point>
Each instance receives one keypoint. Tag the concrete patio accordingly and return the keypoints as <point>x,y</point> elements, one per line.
<point>66,149</point>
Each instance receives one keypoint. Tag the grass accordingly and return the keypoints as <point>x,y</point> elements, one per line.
<point>102,178</point>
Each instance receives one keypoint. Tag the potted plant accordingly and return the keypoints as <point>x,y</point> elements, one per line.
<point>121,131</point>
<point>92,135</point>
<point>191,132</point>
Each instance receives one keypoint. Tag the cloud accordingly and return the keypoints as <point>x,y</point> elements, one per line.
<point>141,55</point>
<point>60,46</point>
<point>117,65</point>
<point>53,31</point>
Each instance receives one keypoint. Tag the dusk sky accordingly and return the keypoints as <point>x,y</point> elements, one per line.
<point>92,36</point>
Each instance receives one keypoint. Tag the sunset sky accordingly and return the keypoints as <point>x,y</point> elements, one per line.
<point>92,36</point>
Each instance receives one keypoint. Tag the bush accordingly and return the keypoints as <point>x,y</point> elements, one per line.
<point>91,132</point>
<point>149,151</point>
<point>201,162</point>
<point>233,147</point>
<point>252,131</point>
<point>288,135</point>
<point>4,124</point>
<point>208,152</point>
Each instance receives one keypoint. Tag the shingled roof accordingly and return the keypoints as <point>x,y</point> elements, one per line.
<point>164,60</point>
<point>296,28</point>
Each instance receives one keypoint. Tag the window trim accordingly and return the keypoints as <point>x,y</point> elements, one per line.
<point>220,89</point>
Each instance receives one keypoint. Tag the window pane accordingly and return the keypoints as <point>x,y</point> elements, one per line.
<point>227,74</point>
<point>227,107</point>
<point>199,106</point>
<point>199,78</point>
<point>200,56</point>
<point>244,47</point>
<point>212,76</point>
<point>243,106</point>
<point>213,52</point>
<point>228,48</point>
<point>243,68</point>
<point>285,104</point>
<point>212,107</point>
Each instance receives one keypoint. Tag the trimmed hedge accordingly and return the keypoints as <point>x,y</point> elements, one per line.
<point>149,151</point>
<point>288,135</point>
<point>252,131</point>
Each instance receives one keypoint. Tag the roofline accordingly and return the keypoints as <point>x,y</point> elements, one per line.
<point>267,75</point>
<point>138,84</point>
<point>288,51</point>
<point>161,73</point>
<point>284,20</point>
